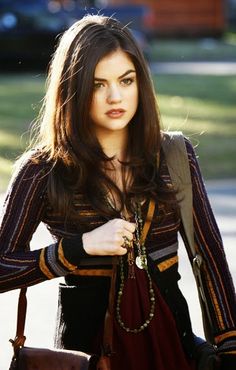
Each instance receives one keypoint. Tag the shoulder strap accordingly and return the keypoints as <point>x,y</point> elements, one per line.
<point>178,165</point>
<point>177,160</point>
<point>21,316</point>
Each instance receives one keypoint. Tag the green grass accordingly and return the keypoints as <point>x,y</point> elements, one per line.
<point>194,50</point>
<point>201,106</point>
<point>20,97</point>
<point>204,108</point>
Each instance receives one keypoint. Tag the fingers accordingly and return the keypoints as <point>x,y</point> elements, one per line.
<point>124,232</point>
<point>121,251</point>
<point>128,235</point>
<point>124,227</point>
<point>129,226</point>
<point>126,245</point>
<point>108,239</point>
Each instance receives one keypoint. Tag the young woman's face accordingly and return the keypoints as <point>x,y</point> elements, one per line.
<point>115,95</point>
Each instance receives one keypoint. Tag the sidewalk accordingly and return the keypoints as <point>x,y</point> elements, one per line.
<point>42,299</point>
<point>198,68</point>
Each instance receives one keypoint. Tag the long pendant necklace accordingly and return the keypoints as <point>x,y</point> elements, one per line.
<point>141,262</point>
<point>141,259</point>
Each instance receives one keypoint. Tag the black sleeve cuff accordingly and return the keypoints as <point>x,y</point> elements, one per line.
<point>73,249</point>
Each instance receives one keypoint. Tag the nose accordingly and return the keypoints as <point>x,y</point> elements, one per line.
<point>114,95</point>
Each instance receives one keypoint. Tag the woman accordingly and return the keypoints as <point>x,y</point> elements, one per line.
<point>97,165</point>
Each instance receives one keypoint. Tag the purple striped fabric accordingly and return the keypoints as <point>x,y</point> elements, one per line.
<point>26,205</point>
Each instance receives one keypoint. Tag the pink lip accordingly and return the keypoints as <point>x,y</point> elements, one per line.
<point>115,113</point>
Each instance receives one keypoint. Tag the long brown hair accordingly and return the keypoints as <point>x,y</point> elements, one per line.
<point>67,137</point>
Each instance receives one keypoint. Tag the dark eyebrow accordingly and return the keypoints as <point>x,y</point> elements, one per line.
<point>122,76</point>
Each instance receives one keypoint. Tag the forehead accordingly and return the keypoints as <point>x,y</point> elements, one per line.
<point>115,63</point>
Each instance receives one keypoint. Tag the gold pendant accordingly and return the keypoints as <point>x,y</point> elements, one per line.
<point>141,262</point>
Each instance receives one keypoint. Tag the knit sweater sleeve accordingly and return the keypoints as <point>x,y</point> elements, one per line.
<point>219,289</point>
<point>22,212</point>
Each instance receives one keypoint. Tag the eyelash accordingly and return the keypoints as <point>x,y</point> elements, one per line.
<point>97,85</point>
<point>125,81</point>
<point>128,81</point>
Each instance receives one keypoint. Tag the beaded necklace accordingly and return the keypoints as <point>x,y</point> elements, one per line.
<point>136,248</point>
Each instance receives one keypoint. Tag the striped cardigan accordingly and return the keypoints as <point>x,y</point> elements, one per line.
<point>26,205</point>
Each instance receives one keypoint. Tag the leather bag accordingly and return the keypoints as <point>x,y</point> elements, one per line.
<point>29,358</point>
<point>46,359</point>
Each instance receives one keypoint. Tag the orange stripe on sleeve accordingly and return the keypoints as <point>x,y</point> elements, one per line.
<point>63,260</point>
<point>216,269</point>
<point>224,336</point>
<point>43,265</point>
<point>167,263</point>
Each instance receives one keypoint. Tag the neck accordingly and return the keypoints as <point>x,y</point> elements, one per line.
<point>114,144</point>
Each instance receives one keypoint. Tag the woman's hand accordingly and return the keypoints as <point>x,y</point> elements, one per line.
<point>108,238</point>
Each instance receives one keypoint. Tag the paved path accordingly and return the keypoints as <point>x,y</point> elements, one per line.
<point>42,299</point>
<point>198,68</point>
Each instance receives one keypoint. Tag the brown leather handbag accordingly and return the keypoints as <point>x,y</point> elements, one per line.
<point>29,358</point>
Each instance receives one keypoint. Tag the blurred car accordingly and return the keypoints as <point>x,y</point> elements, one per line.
<point>28,31</point>
<point>29,28</point>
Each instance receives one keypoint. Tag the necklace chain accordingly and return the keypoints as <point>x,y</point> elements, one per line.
<point>142,255</point>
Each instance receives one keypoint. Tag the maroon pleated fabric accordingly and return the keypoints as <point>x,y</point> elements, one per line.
<point>157,347</point>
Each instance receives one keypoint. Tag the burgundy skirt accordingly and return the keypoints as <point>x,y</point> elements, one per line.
<point>158,346</point>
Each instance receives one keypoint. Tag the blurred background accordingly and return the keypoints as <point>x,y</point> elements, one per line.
<point>29,28</point>
<point>191,50</point>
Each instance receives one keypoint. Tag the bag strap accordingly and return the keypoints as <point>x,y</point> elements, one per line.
<point>178,165</point>
<point>176,155</point>
<point>20,326</point>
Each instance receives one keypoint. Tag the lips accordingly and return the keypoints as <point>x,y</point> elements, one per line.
<point>115,113</point>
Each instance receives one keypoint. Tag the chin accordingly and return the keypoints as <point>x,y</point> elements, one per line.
<point>114,126</point>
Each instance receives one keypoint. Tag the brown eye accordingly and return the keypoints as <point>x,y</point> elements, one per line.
<point>98,85</point>
<point>127,81</point>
